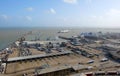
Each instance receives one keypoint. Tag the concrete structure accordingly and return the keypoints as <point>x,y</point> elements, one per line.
<point>15,59</point>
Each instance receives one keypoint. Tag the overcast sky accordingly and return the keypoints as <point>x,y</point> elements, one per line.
<point>82,13</point>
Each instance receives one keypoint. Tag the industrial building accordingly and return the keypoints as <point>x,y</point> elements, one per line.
<point>73,56</point>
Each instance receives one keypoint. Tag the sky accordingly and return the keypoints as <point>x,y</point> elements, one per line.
<point>60,13</point>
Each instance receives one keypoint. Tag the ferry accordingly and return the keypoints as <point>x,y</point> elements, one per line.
<point>63,31</point>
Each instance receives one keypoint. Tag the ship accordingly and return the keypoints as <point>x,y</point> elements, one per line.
<point>63,31</point>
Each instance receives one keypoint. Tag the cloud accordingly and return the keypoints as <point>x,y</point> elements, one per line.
<point>64,19</point>
<point>93,16</point>
<point>110,18</point>
<point>28,18</point>
<point>109,14</point>
<point>88,1</point>
<point>52,11</point>
<point>29,9</point>
<point>70,1</point>
<point>4,17</point>
<point>113,12</point>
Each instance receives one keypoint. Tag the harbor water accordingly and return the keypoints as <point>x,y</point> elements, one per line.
<point>9,35</point>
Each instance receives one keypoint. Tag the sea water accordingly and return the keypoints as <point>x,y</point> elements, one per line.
<point>10,35</point>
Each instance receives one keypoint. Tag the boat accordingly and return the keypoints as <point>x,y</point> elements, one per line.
<point>63,31</point>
